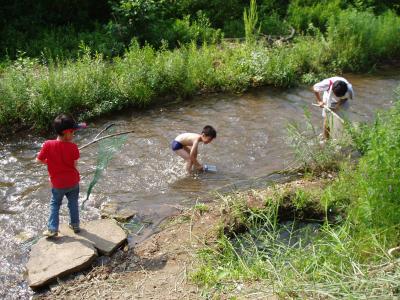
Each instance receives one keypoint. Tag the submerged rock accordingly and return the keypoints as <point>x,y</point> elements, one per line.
<point>117,211</point>
<point>69,252</point>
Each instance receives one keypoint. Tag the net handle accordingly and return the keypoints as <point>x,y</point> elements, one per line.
<point>108,127</point>
<point>105,137</point>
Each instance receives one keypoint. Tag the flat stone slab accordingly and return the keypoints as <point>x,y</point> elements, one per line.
<point>105,234</point>
<point>69,252</point>
<point>117,211</point>
<point>52,258</point>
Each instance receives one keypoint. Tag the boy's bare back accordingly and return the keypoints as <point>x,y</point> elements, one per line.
<point>188,138</point>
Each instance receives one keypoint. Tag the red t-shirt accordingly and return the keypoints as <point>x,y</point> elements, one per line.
<point>60,158</point>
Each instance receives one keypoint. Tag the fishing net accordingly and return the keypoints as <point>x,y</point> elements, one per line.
<point>107,148</point>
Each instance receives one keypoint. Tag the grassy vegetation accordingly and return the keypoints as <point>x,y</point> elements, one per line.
<point>361,31</point>
<point>346,257</point>
<point>92,81</point>
<point>155,51</point>
<point>201,208</point>
<point>34,90</point>
<point>311,154</point>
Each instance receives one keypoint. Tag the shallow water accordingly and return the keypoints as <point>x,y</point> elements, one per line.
<point>148,176</point>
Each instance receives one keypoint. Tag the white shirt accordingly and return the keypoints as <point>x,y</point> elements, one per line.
<point>329,97</point>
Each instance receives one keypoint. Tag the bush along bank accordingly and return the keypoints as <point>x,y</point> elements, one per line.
<point>33,91</point>
<point>345,257</point>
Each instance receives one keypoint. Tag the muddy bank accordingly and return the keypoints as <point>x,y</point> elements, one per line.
<point>162,266</point>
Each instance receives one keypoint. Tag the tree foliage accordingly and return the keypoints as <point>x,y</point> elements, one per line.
<point>59,28</point>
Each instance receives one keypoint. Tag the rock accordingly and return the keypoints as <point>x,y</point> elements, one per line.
<point>105,234</point>
<point>52,258</point>
<point>117,211</point>
<point>70,252</point>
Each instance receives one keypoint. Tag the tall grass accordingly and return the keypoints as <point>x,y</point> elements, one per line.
<point>250,20</point>
<point>308,264</point>
<point>59,42</point>
<point>33,91</point>
<point>312,153</point>
<point>360,39</point>
<point>377,206</point>
<point>303,13</point>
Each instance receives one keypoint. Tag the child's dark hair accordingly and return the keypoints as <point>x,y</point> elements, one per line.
<point>63,122</point>
<point>339,88</point>
<point>209,131</point>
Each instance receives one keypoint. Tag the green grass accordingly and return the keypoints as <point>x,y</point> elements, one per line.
<point>303,13</point>
<point>201,208</point>
<point>33,91</point>
<point>64,42</point>
<point>330,261</point>
<point>360,38</point>
<point>315,155</point>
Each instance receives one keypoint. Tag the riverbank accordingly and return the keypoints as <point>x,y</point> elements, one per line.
<point>243,245</point>
<point>33,92</point>
<point>165,265</point>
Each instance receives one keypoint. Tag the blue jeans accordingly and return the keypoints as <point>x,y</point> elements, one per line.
<point>57,196</point>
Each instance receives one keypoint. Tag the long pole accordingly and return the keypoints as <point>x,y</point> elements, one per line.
<point>105,137</point>
<point>331,111</point>
<point>108,127</point>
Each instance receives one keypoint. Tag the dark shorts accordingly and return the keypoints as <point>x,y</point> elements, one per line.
<point>176,145</point>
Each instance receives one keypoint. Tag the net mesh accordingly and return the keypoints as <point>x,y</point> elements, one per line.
<point>107,148</point>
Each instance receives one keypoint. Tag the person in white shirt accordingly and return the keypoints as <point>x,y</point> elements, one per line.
<point>336,95</point>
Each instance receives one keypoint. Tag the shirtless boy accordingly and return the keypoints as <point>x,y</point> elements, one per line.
<point>186,146</point>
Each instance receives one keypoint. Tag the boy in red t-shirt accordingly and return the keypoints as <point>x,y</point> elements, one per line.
<point>61,156</point>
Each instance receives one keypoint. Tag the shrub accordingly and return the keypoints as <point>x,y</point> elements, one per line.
<point>59,43</point>
<point>378,204</point>
<point>357,38</point>
<point>302,13</point>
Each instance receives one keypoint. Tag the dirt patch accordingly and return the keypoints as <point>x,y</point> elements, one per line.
<point>160,267</point>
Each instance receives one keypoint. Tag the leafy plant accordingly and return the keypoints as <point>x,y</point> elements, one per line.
<point>201,208</point>
<point>313,153</point>
<point>250,19</point>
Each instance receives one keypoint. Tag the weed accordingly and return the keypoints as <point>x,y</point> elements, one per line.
<point>250,19</point>
<point>201,208</point>
<point>314,154</point>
